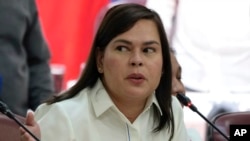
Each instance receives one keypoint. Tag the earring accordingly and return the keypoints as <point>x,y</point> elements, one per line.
<point>100,70</point>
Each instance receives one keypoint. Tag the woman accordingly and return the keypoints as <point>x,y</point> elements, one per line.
<point>125,91</point>
<point>178,88</point>
<point>177,85</point>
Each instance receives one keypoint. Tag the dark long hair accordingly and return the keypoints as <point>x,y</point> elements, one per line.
<point>118,20</point>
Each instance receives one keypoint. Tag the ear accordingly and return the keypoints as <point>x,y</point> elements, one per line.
<point>99,60</point>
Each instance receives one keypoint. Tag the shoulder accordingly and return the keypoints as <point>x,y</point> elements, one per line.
<point>79,105</point>
<point>69,108</point>
<point>63,117</point>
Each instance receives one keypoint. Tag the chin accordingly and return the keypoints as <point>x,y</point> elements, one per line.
<point>138,93</point>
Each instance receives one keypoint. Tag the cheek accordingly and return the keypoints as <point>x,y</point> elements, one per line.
<point>111,62</point>
<point>156,70</point>
<point>157,67</point>
<point>173,83</point>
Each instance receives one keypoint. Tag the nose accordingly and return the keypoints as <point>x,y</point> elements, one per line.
<point>177,87</point>
<point>136,59</point>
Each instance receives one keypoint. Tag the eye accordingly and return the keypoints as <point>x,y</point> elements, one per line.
<point>121,48</point>
<point>149,50</point>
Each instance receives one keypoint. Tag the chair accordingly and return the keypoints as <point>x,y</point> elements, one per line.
<point>223,122</point>
<point>9,129</point>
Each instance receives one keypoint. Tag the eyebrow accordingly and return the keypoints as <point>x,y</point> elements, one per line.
<point>130,43</point>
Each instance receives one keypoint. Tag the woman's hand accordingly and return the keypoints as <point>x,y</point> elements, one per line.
<point>32,126</point>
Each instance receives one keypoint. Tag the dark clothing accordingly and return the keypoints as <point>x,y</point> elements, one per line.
<point>24,57</point>
<point>217,109</point>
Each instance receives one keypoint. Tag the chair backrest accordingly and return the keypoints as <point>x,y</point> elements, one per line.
<point>223,122</point>
<point>9,129</point>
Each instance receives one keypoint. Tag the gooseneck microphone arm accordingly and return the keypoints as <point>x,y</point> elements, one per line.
<point>5,110</point>
<point>187,102</point>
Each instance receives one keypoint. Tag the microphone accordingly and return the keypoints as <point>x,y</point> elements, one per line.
<point>187,102</point>
<point>6,111</point>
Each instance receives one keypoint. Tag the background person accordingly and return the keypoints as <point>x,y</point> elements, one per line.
<point>24,57</point>
<point>178,88</point>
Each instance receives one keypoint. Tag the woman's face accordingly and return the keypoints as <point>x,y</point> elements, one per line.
<point>132,62</point>
<point>177,85</point>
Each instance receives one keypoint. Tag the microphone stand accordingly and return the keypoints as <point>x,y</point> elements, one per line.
<point>4,109</point>
<point>187,102</point>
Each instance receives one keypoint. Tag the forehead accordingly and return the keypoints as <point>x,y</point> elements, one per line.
<point>174,61</point>
<point>142,30</point>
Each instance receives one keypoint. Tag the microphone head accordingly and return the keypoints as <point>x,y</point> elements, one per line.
<point>5,110</point>
<point>1,84</point>
<point>3,107</point>
<point>186,101</point>
<point>183,99</point>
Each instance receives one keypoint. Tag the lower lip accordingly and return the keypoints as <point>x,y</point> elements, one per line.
<point>136,81</point>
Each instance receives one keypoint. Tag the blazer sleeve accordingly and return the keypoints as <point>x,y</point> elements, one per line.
<point>38,55</point>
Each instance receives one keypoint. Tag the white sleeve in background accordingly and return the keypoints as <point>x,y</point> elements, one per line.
<point>166,10</point>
